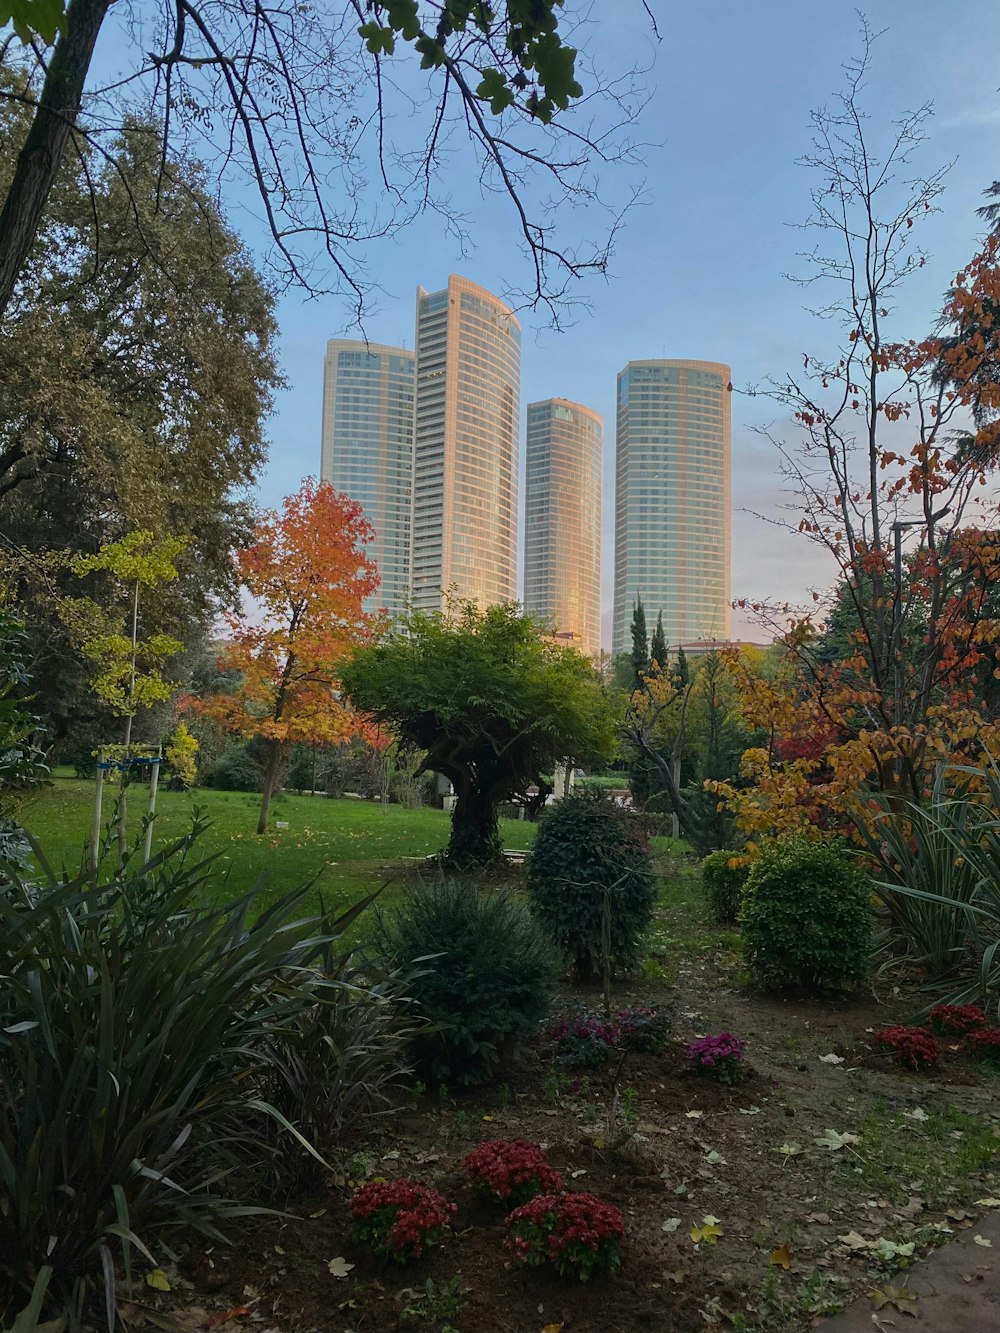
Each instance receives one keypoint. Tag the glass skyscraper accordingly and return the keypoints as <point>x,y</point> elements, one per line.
<point>672,499</point>
<point>368,451</point>
<point>562,524</point>
<point>468,373</point>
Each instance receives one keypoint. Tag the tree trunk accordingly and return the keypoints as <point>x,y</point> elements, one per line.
<point>270,777</point>
<point>39,160</point>
<point>475,830</point>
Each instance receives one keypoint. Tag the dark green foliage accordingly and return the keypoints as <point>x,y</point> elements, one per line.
<point>486,974</point>
<point>640,644</point>
<point>806,917</point>
<point>724,885</point>
<point>658,644</point>
<point>235,769</point>
<point>589,852</point>
<point>139,1036</point>
<point>22,766</point>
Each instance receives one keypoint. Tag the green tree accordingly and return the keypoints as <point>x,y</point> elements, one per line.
<point>22,766</point>
<point>658,644</point>
<point>288,99</point>
<point>492,703</point>
<point>640,644</point>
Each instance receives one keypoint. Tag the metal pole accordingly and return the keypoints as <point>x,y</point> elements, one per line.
<point>95,832</point>
<point>154,778</point>
<point>897,630</point>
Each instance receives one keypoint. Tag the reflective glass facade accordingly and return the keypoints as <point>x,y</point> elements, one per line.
<point>468,374</point>
<point>672,499</point>
<point>368,451</point>
<point>562,525</point>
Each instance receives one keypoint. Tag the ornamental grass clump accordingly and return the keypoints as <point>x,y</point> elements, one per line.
<point>577,1234</point>
<point>397,1219</point>
<point>720,1057</point>
<point>956,1020</point>
<point>511,1170</point>
<point>911,1047</point>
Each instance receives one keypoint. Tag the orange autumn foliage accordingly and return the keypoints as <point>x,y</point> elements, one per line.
<point>306,576</point>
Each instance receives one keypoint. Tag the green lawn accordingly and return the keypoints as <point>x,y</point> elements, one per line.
<point>347,846</point>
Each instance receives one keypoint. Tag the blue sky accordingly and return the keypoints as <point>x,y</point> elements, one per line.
<point>698,269</point>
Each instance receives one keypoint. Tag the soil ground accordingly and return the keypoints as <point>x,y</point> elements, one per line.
<point>807,1227</point>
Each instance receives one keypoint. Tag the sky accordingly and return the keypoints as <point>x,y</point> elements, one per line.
<point>698,269</point>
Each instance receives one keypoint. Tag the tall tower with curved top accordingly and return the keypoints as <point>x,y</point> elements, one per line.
<point>672,500</point>
<point>465,447</point>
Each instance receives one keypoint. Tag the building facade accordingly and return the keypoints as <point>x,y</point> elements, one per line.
<point>368,451</point>
<point>465,447</point>
<point>672,502</point>
<point>562,520</point>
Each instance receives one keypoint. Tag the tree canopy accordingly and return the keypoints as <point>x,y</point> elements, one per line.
<point>492,702</point>
<point>307,575</point>
<point>296,101</point>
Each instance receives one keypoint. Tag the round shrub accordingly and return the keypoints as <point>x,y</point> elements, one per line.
<point>578,1234</point>
<point>724,885</point>
<point>806,917</point>
<point>588,847</point>
<point>397,1218</point>
<point>233,770</point>
<point>510,1169</point>
<point>483,975</point>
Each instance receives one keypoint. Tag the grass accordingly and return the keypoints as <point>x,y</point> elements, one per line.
<point>898,1157</point>
<point>348,847</point>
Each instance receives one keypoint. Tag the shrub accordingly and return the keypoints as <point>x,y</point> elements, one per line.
<point>644,1029</point>
<point>724,885</point>
<point>806,917</point>
<point>489,978</point>
<point>911,1047</point>
<point>136,1034</point>
<point>511,1169</point>
<point>397,1218</point>
<point>234,770</point>
<point>577,1234</point>
<point>956,1020</point>
<point>984,1044</point>
<point>590,854</point>
<point>719,1057</point>
<point>181,754</point>
<point>586,1040</point>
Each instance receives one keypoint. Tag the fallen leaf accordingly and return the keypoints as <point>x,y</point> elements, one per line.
<point>981,1240</point>
<point>854,1241</point>
<point>832,1059</point>
<point>821,1219</point>
<point>709,1231</point>
<point>890,1249</point>
<point>901,1297</point>
<point>715,1158</point>
<point>671,1224</point>
<point>552,1328</point>
<point>834,1141</point>
<point>217,1320</point>
<point>694,1115</point>
<point>157,1279</point>
<point>988,1203</point>
<point>781,1257</point>
<point>339,1267</point>
<point>790,1149</point>
<point>749,1110</point>
<point>918,1113</point>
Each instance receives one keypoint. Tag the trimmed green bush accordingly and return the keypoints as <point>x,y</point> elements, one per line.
<point>724,885</point>
<point>589,850</point>
<point>233,770</point>
<point>484,975</point>
<point>806,917</point>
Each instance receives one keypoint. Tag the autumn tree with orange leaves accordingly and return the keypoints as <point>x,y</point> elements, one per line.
<point>306,576</point>
<point>894,473</point>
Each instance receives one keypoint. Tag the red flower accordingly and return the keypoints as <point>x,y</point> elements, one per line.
<point>913,1048</point>
<point>399,1217</point>
<point>957,1020</point>
<point>577,1233</point>
<point>511,1169</point>
<point>985,1044</point>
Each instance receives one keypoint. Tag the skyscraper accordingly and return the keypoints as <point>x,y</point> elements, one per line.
<point>562,523</point>
<point>672,499</point>
<point>368,451</point>
<point>468,372</point>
